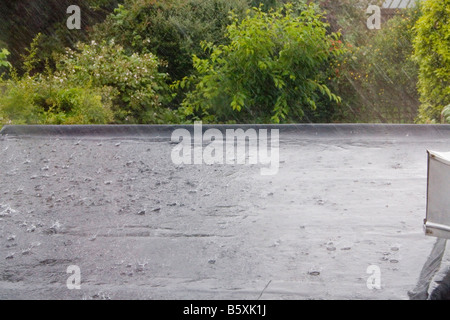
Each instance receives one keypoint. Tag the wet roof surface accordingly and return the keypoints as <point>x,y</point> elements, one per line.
<point>111,201</point>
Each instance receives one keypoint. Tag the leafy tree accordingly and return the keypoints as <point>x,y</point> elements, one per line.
<point>446,114</point>
<point>93,84</point>
<point>22,20</point>
<point>267,4</point>
<point>377,77</point>
<point>269,71</point>
<point>170,29</point>
<point>432,52</point>
<point>134,77</point>
<point>3,55</point>
<point>46,98</point>
<point>4,63</point>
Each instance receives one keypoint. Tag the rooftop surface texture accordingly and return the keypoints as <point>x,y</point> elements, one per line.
<point>110,200</point>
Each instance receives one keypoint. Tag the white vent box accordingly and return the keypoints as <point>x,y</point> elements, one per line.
<point>437,222</point>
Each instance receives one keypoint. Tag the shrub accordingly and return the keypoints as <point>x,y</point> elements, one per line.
<point>134,77</point>
<point>432,52</point>
<point>48,98</point>
<point>32,101</point>
<point>269,71</point>
<point>93,83</point>
<point>3,58</point>
<point>23,19</point>
<point>445,118</point>
<point>170,29</point>
<point>377,78</point>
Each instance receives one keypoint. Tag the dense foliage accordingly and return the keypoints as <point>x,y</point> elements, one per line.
<point>446,114</point>
<point>377,78</point>
<point>96,83</point>
<point>176,61</point>
<point>171,29</point>
<point>269,71</point>
<point>4,63</point>
<point>432,52</point>
<point>134,78</point>
<point>21,20</point>
<point>48,98</point>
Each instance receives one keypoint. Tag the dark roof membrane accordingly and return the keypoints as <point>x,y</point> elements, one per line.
<point>300,130</point>
<point>348,201</point>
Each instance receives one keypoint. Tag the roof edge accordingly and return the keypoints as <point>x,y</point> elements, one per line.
<point>165,131</point>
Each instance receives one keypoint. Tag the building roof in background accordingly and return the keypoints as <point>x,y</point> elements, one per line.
<point>399,4</point>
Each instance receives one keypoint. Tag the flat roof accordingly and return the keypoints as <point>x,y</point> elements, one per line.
<point>110,200</point>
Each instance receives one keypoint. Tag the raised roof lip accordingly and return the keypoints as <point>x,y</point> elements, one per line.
<point>165,131</point>
<point>443,157</point>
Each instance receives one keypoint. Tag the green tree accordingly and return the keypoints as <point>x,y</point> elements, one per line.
<point>269,71</point>
<point>432,52</point>
<point>41,98</point>
<point>92,84</point>
<point>446,114</point>
<point>22,20</point>
<point>3,58</point>
<point>135,77</point>
<point>377,78</point>
<point>170,29</point>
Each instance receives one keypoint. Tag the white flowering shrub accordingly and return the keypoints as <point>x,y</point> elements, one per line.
<point>135,79</point>
<point>92,84</point>
<point>52,98</point>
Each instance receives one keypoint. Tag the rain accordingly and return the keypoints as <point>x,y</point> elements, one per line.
<point>139,142</point>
